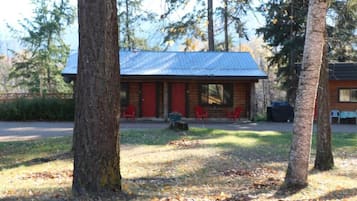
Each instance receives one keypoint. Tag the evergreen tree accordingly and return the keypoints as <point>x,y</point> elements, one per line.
<point>231,13</point>
<point>191,25</point>
<point>285,32</point>
<point>131,16</point>
<point>199,22</point>
<point>39,65</point>
<point>343,31</point>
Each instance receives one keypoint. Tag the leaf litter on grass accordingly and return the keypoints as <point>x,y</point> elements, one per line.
<point>193,167</point>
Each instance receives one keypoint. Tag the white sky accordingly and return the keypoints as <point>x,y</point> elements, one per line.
<point>11,11</point>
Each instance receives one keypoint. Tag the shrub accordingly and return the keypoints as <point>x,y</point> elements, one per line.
<point>49,109</point>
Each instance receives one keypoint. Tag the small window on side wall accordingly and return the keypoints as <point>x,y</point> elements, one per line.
<point>347,95</point>
<point>216,94</point>
<point>124,94</point>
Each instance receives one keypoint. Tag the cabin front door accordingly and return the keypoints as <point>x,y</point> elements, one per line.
<point>178,98</point>
<point>148,100</point>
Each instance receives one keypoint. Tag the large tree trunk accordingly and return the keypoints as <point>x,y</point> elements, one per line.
<point>226,36</point>
<point>324,157</point>
<point>96,129</point>
<point>210,26</point>
<point>297,172</point>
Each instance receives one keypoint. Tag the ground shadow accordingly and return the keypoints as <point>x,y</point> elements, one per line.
<point>66,195</point>
<point>340,194</point>
<point>40,160</point>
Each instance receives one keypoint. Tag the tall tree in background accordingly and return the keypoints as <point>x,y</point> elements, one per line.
<point>231,13</point>
<point>210,29</point>
<point>199,22</point>
<point>131,16</point>
<point>343,31</point>
<point>96,129</point>
<point>297,172</point>
<point>285,32</point>
<point>38,66</point>
<point>191,26</point>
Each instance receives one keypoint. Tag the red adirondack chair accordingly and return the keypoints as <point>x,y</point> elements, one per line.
<point>200,112</point>
<point>234,114</point>
<point>129,113</point>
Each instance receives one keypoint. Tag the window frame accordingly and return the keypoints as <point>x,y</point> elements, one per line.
<point>124,86</point>
<point>229,87</point>
<point>350,95</point>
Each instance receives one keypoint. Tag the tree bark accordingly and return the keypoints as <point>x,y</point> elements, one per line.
<point>210,26</point>
<point>324,157</point>
<point>128,33</point>
<point>226,37</point>
<point>297,172</point>
<point>96,129</point>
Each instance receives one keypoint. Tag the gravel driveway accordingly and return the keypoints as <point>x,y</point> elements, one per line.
<point>17,131</point>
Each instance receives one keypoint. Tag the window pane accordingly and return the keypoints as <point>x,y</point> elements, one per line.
<point>215,94</point>
<point>344,95</point>
<point>124,94</point>
<point>353,95</point>
<point>228,94</point>
<point>204,94</point>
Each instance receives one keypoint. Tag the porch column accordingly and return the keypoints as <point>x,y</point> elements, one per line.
<point>166,100</point>
<point>253,105</point>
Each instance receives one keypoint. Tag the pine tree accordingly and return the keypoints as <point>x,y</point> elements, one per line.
<point>202,23</point>
<point>131,16</point>
<point>285,33</point>
<point>38,66</point>
<point>342,32</point>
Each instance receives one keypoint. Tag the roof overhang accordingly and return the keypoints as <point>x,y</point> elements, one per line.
<point>70,77</point>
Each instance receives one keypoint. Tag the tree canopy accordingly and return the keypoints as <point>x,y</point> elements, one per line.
<point>37,68</point>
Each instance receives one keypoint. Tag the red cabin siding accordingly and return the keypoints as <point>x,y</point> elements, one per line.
<point>139,94</point>
<point>335,85</point>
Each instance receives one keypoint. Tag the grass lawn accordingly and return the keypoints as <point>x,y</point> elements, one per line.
<point>201,164</point>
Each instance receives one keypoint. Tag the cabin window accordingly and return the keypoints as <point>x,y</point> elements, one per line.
<point>216,94</point>
<point>124,94</point>
<point>347,95</point>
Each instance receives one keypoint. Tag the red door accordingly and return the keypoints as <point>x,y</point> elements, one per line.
<point>178,98</point>
<point>148,104</point>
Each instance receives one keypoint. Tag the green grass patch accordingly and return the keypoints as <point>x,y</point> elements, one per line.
<point>202,164</point>
<point>25,153</point>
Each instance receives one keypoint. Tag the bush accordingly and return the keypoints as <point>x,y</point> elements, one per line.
<point>49,109</point>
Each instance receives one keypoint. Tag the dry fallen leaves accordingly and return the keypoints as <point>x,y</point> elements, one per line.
<point>184,143</point>
<point>48,175</point>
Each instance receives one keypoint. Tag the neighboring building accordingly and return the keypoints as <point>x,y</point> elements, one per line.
<point>158,83</point>
<point>343,86</point>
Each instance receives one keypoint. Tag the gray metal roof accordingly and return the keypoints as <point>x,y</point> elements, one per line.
<point>191,64</point>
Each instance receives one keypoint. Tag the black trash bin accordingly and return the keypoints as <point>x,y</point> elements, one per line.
<point>282,112</point>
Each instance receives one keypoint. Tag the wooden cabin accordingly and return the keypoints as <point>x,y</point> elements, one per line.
<point>158,83</point>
